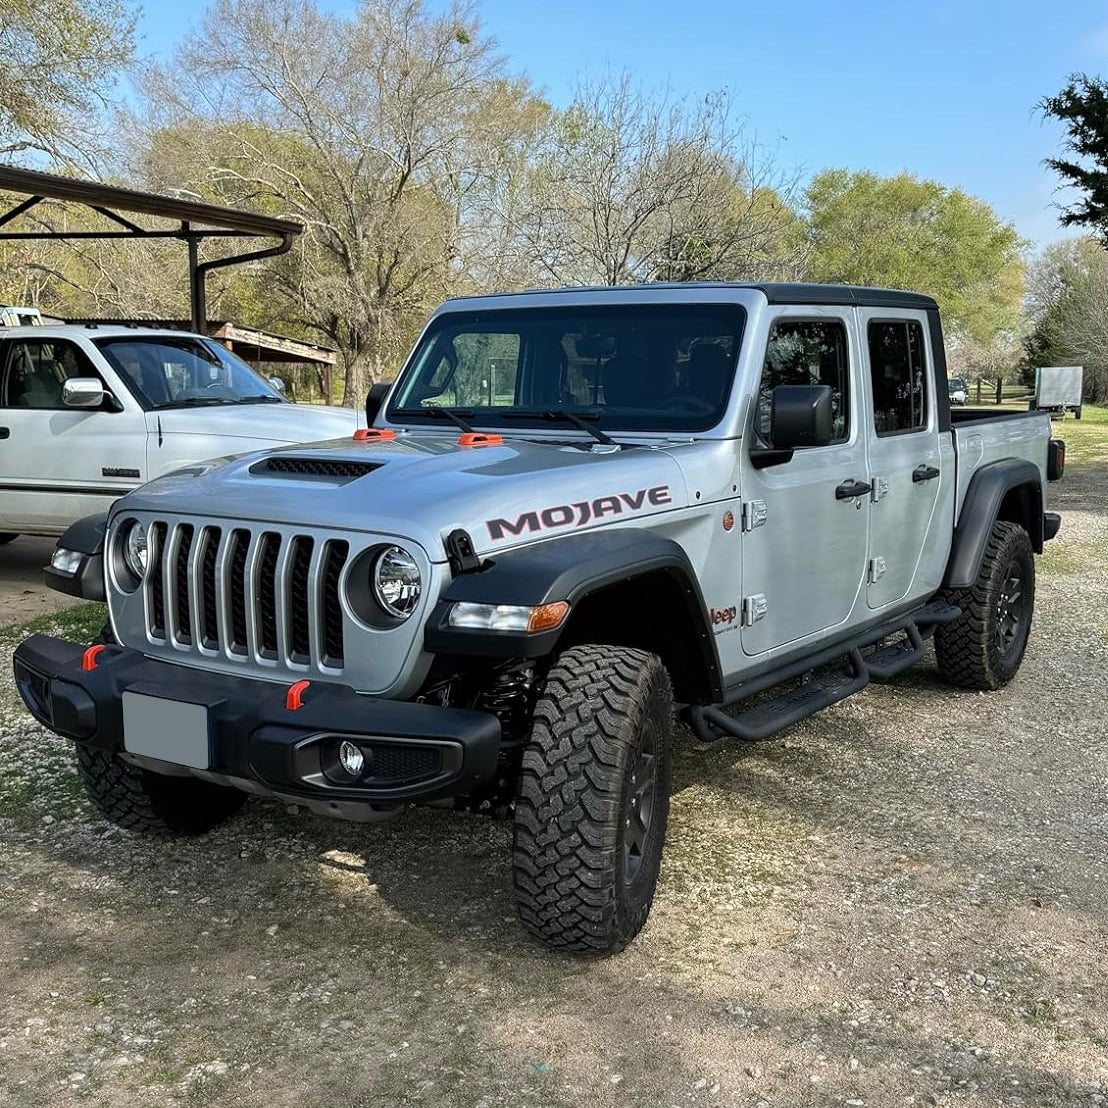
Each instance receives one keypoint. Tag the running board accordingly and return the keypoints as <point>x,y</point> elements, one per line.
<point>710,724</point>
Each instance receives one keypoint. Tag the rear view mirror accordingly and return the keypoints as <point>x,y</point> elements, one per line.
<point>801,415</point>
<point>83,392</point>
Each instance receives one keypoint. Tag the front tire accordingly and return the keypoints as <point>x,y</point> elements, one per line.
<point>153,803</point>
<point>593,799</point>
<point>984,647</point>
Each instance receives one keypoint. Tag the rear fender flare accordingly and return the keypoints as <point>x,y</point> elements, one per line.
<point>987,492</point>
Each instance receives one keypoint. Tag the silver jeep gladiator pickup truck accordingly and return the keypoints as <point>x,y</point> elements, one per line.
<point>573,514</point>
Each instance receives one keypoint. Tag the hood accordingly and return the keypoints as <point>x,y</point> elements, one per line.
<point>423,485</point>
<point>271,423</point>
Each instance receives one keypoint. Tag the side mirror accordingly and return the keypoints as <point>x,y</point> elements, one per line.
<point>278,383</point>
<point>374,399</point>
<point>801,415</point>
<point>83,392</point>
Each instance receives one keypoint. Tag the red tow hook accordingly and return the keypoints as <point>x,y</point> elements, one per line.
<point>88,659</point>
<point>294,699</point>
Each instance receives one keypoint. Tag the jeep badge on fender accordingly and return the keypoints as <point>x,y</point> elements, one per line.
<point>573,515</point>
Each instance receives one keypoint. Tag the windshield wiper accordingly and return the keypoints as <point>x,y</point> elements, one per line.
<point>259,398</point>
<point>197,400</point>
<point>554,415</point>
<point>458,416</point>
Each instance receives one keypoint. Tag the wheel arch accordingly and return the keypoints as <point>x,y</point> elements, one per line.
<point>625,586</point>
<point>1010,490</point>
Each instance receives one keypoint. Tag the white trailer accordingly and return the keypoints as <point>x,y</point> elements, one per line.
<point>1058,389</point>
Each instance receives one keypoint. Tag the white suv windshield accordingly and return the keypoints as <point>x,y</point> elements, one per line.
<point>641,367</point>
<point>171,372</point>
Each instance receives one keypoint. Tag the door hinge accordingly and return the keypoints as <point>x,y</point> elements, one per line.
<point>877,569</point>
<point>754,609</point>
<point>754,514</point>
<point>880,488</point>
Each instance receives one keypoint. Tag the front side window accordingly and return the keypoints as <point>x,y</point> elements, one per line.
<point>171,372</point>
<point>633,368</point>
<point>898,372</point>
<point>806,352</point>
<point>35,371</point>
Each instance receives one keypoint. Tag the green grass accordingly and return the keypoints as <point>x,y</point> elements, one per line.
<point>81,623</point>
<point>1086,438</point>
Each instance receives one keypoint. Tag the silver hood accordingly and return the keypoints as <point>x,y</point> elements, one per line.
<point>423,485</point>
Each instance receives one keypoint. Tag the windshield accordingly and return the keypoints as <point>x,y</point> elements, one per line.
<point>171,372</point>
<point>957,384</point>
<point>638,368</point>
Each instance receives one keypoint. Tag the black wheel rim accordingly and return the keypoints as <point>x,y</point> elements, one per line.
<point>1009,612</point>
<point>640,809</point>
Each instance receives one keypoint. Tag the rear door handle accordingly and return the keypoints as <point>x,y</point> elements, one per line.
<point>851,488</point>
<point>5,432</point>
<point>924,473</point>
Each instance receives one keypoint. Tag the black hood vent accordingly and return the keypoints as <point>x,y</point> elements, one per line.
<point>329,469</point>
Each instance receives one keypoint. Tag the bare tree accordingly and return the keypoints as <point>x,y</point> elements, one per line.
<point>372,130</point>
<point>628,186</point>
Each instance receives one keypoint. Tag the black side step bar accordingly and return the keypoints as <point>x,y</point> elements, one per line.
<point>710,724</point>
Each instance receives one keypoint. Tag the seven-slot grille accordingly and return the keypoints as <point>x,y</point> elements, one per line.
<point>251,594</point>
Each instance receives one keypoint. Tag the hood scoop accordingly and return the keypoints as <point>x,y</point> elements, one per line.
<point>337,470</point>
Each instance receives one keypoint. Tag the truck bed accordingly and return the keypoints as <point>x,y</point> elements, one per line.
<point>982,436</point>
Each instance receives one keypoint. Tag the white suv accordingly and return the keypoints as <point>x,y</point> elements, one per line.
<point>89,413</point>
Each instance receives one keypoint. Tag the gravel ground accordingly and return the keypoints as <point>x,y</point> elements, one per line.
<point>903,901</point>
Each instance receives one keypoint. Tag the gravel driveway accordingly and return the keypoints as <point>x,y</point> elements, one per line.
<point>903,901</point>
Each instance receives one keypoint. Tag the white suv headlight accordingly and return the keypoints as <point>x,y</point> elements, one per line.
<point>397,584</point>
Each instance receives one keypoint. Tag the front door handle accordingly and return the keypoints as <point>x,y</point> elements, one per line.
<point>5,432</point>
<point>924,473</point>
<point>851,488</point>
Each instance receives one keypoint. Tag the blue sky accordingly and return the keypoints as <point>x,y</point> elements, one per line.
<point>944,88</point>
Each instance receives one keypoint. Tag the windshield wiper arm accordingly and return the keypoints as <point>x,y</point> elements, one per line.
<point>188,401</point>
<point>553,415</point>
<point>458,416</point>
<point>259,398</point>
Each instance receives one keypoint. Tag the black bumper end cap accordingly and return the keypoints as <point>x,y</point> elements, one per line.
<point>1052,522</point>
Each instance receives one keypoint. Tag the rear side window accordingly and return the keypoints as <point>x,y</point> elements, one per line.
<point>35,371</point>
<point>898,372</point>
<point>806,352</point>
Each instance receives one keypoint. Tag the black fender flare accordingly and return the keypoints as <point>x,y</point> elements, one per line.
<point>986,493</point>
<point>86,537</point>
<point>569,568</point>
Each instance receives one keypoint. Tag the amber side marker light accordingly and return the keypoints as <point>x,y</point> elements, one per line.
<point>546,616</point>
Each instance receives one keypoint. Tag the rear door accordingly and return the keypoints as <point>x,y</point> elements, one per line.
<point>911,465</point>
<point>58,464</point>
<point>804,544</point>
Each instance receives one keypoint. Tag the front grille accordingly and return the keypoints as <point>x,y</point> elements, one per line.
<point>315,467</point>
<point>247,594</point>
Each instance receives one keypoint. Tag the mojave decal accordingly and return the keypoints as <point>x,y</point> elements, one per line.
<point>578,513</point>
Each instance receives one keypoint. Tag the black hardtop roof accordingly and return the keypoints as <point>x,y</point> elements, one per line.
<point>776,292</point>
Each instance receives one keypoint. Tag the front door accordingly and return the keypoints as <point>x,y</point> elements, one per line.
<point>804,541</point>
<point>58,464</point>
<point>911,469</point>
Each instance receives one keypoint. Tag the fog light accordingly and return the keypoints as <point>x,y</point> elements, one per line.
<point>351,759</point>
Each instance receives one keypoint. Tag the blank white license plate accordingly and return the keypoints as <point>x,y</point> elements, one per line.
<point>169,730</point>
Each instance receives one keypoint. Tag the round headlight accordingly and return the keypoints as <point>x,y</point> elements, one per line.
<point>136,549</point>
<point>396,582</point>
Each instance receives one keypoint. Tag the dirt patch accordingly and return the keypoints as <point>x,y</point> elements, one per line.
<point>902,901</point>
<point>23,596</point>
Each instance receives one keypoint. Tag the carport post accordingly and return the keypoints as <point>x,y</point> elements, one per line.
<point>198,306</point>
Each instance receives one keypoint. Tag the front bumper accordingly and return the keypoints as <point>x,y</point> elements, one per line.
<point>256,741</point>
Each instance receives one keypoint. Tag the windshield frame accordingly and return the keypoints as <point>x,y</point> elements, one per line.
<point>502,418</point>
<point>226,358</point>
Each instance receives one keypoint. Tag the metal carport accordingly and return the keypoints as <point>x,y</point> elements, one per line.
<point>195,221</point>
